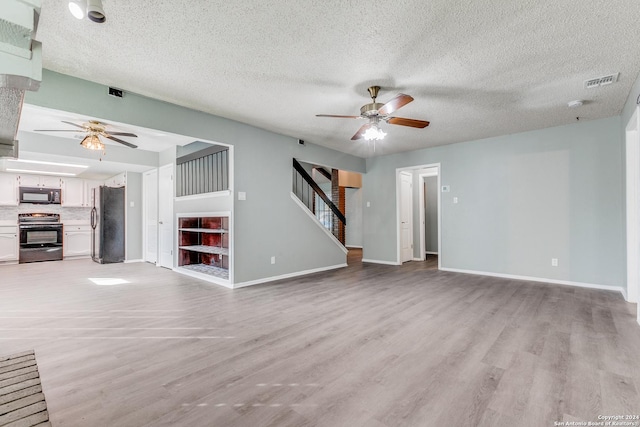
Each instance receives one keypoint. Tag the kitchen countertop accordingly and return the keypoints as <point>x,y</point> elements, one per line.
<point>76,222</point>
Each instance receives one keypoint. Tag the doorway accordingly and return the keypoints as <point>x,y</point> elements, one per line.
<point>428,207</point>
<point>150,212</point>
<point>165,217</point>
<point>410,208</point>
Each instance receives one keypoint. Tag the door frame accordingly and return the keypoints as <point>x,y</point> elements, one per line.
<point>632,158</point>
<point>145,224</point>
<point>171,217</point>
<point>412,169</point>
<point>421,181</point>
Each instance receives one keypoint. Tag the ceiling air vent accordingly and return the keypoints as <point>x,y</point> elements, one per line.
<point>601,81</point>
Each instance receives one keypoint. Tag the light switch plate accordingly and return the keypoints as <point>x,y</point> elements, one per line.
<point>242,195</point>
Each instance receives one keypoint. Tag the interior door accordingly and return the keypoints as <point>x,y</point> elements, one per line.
<point>406,217</point>
<point>151,216</point>
<point>165,216</point>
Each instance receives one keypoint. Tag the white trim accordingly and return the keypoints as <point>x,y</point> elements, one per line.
<point>204,277</point>
<point>423,226</point>
<point>431,253</point>
<point>414,168</point>
<point>129,261</point>
<point>377,261</point>
<point>540,279</point>
<point>353,247</point>
<point>200,196</point>
<point>287,276</point>
<point>417,259</point>
<point>632,179</point>
<point>306,210</point>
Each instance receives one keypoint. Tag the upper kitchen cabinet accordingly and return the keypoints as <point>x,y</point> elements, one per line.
<point>77,192</point>
<point>119,180</point>
<point>39,181</point>
<point>8,189</point>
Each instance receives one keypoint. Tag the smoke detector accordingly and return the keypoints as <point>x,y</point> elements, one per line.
<point>575,104</point>
<point>601,81</point>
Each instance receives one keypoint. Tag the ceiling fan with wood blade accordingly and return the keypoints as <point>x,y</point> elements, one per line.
<point>376,112</point>
<point>94,129</point>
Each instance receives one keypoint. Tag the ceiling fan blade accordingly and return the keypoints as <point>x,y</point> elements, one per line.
<point>339,117</point>
<point>113,138</point>
<point>133,135</point>
<point>408,122</point>
<point>57,130</point>
<point>73,124</point>
<point>399,101</point>
<point>361,131</point>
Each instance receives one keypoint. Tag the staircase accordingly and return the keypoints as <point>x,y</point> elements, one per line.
<point>317,201</point>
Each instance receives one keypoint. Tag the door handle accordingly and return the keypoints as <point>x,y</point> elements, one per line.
<point>160,222</point>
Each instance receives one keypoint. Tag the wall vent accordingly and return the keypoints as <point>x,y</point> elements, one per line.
<point>601,81</point>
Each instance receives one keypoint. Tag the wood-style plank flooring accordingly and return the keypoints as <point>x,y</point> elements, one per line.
<point>367,345</point>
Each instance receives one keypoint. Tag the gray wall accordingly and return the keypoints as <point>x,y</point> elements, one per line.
<point>523,199</point>
<point>268,223</point>
<point>431,214</point>
<point>134,215</point>
<point>353,230</point>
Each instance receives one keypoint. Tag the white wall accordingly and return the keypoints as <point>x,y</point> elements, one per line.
<point>353,230</point>
<point>523,199</point>
<point>268,223</point>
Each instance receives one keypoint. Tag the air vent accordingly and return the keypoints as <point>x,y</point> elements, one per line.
<point>601,81</point>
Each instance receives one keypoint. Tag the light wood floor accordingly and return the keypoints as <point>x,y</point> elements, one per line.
<point>367,345</point>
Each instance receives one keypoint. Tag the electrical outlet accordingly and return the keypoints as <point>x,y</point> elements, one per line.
<point>273,260</point>
<point>554,262</point>
<point>455,200</point>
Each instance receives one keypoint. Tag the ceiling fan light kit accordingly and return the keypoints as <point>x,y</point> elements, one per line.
<point>92,142</point>
<point>78,8</point>
<point>376,112</point>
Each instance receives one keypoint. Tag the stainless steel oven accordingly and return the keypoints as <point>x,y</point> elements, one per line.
<point>40,237</point>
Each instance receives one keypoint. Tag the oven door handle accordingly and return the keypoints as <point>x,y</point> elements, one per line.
<point>94,213</point>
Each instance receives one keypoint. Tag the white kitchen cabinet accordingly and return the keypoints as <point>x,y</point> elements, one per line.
<point>73,192</point>
<point>8,243</point>
<point>27,180</point>
<point>8,189</point>
<point>78,192</point>
<point>77,241</point>
<point>119,180</point>
<point>89,186</point>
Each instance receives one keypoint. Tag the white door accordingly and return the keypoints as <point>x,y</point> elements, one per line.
<point>633,206</point>
<point>165,216</point>
<point>151,216</point>
<point>406,217</point>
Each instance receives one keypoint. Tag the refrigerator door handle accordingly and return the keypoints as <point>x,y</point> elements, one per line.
<point>94,213</point>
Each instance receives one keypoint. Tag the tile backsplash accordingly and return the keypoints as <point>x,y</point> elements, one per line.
<point>66,213</point>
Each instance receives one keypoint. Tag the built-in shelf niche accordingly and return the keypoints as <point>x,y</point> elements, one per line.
<point>203,246</point>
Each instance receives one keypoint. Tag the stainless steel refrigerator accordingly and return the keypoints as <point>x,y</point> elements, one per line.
<point>107,222</point>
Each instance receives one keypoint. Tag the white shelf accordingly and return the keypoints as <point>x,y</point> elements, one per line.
<point>204,230</point>
<point>206,249</point>
<point>218,272</point>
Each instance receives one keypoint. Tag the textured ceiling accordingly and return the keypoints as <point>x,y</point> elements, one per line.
<point>475,68</point>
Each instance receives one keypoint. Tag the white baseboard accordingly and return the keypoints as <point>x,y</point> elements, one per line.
<point>127,261</point>
<point>205,277</point>
<point>541,279</point>
<point>353,247</point>
<point>377,261</point>
<point>418,259</point>
<point>286,276</point>
<point>431,253</point>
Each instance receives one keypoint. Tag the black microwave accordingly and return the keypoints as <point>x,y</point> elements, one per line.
<point>40,196</point>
